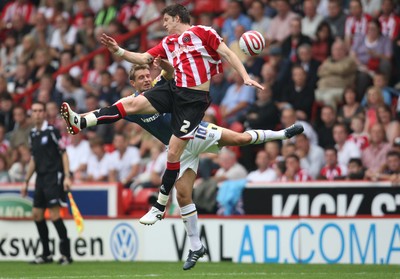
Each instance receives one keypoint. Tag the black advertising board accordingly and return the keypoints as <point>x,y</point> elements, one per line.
<point>316,201</point>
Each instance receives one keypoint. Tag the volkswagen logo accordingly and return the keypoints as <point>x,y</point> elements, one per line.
<point>124,242</point>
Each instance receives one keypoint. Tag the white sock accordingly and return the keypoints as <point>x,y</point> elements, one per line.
<point>261,136</point>
<point>189,218</point>
<point>162,199</point>
<point>91,119</point>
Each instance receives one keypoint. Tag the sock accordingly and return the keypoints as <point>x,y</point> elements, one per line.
<point>105,115</point>
<point>168,181</point>
<point>189,218</point>
<point>44,236</point>
<point>64,240</point>
<point>161,202</point>
<point>261,136</point>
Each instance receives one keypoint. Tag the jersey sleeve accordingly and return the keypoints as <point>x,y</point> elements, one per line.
<point>158,50</point>
<point>209,36</point>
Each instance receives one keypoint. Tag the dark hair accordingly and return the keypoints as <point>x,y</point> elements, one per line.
<point>377,24</point>
<point>356,161</point>
<point>393,153</point>
<point>39,103</point>
<point>177,10</point>
<point>294,156</point>
<point>325,24</point>
<point>331,148</point>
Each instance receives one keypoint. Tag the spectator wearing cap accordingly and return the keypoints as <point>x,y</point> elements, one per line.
<point>235,17</point>
<point>335,74</point>
<point>311,20</point>
<point>336,18</point>
<point>279,28</point>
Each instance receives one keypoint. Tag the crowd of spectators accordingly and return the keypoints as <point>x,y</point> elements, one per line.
<point>331,65</point>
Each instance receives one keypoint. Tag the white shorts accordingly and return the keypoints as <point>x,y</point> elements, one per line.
<point>205,141</point>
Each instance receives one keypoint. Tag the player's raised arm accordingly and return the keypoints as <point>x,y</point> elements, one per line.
<point>231,57</point>
<point>133,57</point>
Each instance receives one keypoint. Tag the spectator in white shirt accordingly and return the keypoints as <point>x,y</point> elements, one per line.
<point>229,169</point>
<point>79,149</point>
<point>99,162</point>
<point>346,149</point>
<point>264,172</point>
<point>63,37</point>
<point>311,155</point>
<point>311,19</point>
<point>126,159</point>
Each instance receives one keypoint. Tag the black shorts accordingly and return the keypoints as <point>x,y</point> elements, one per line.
<point>187,106</point>
<point>49,190</point>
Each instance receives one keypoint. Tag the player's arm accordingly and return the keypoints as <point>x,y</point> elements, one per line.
<point>67,173</point>
<point>29,173</point>
<point>133,57</point>
<point>168,70</point>
<point>232,58</point>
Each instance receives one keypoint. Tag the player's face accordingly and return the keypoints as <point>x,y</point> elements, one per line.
<point>170,23</point>
<point>142,80</point>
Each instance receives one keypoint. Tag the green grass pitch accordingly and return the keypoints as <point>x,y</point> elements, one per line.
<point>202,270</point>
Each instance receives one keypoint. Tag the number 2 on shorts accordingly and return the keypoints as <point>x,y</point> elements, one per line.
<point>185,125</point>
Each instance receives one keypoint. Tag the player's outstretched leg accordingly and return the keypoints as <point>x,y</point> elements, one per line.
<point>261,136</point>
<point>107,115</point>
<point>72,119</point>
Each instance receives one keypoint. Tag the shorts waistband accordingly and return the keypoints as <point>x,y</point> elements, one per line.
<point>194,90</point>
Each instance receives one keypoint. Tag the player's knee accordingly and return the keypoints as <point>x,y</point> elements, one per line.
<point>37,216</point>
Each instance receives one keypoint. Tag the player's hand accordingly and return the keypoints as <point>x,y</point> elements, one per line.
<point>157,62</point>
<point>254,83</point>
<point>24,190</point>
<point>109,42</point>
<point>67,183</point>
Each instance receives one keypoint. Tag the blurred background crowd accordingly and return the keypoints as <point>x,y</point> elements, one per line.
<point>332,65</point>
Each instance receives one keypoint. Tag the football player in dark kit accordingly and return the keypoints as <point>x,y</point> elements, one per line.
<point>50,162</point>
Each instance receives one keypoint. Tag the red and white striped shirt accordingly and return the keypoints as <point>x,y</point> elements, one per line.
<point>26,10</point>
<point>193,54</point>
<point>390,26</point>
<point>331,173</point>
<point>354,26</point>
<point>301,175</point>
